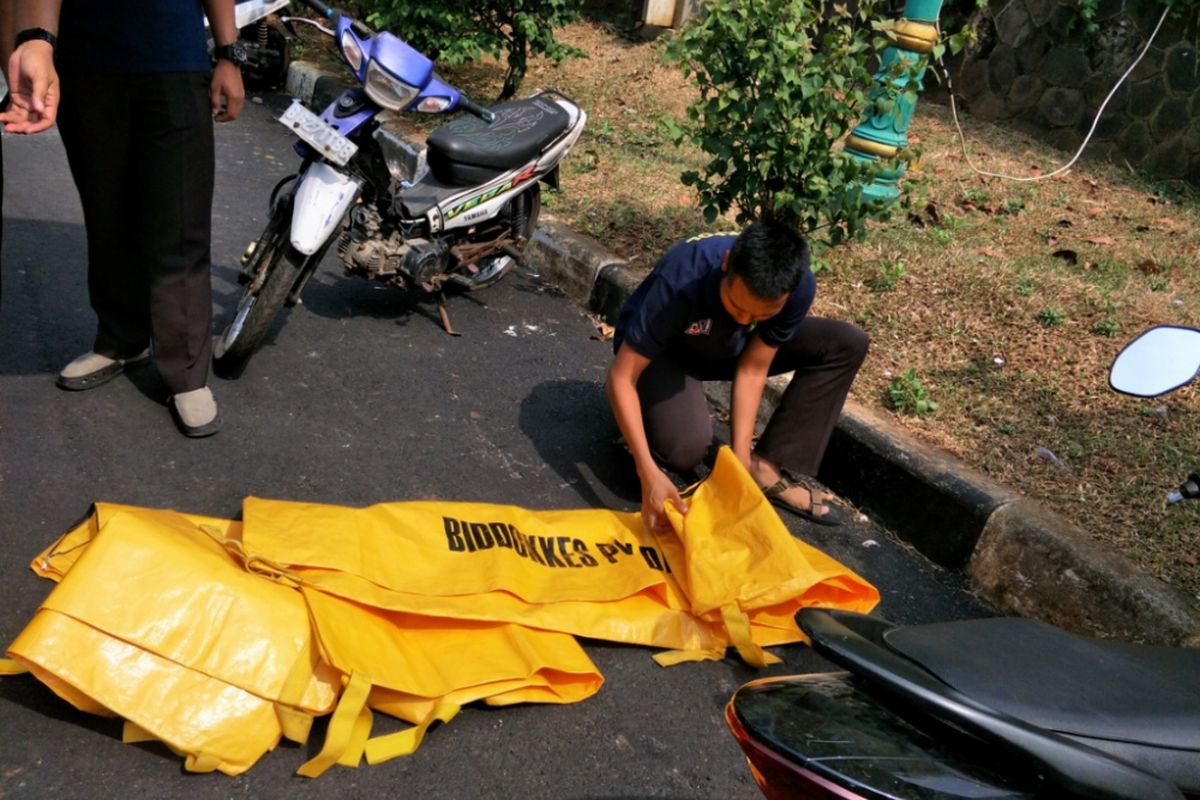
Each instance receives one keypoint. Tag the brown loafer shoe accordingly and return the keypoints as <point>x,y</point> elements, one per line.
<point>195,412</point>
<point>92,369</point>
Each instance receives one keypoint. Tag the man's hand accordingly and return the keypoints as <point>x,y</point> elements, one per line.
<point>33,84</point>
<point>227,91</point>
<point>657,489</point>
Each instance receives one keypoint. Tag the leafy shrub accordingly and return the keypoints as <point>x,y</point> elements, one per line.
<point>890,273</point>
<point>457,31</point>
<point>1050,317</point>
<point>780,82</point>
<point>906,395</point>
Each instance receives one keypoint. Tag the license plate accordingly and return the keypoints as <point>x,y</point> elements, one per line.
<point>318,133</point>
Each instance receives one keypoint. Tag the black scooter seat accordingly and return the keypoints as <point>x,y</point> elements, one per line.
<point>469,151</point>
<point>1062,682</point>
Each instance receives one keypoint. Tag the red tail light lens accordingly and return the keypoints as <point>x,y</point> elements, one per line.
<point>778,778</point>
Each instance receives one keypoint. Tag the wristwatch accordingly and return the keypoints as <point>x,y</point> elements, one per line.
<point>40,34</point>
<point>234,52</point>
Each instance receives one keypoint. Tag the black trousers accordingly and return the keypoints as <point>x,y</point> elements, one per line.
<point>825,355</point>
<point>140,147</point>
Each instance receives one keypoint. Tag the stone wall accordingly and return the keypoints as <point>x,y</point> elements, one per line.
<point>1036,68</point>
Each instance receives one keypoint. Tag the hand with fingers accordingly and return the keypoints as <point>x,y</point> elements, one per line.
<point>34,89</point>
<point>657,490</point>
<point>228,94</point>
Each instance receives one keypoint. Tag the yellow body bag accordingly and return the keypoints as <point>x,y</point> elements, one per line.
<point>220,637</point>
<point>156,623</point>
<point>731,573</point>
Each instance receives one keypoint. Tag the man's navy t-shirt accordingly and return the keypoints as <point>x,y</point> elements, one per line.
<point>677,311</point>
<point>100,36</point>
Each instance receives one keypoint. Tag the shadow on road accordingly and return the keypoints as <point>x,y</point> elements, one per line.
<point>571,427</point>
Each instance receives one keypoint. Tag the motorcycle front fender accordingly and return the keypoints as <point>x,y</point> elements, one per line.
<point>322,200</point>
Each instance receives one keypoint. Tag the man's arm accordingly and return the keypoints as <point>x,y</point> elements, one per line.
<point>621,388</point>
<point>32,80</point>
<point>227,90</point>
<point>748,382</point>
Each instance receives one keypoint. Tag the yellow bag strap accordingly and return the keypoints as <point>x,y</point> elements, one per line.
<point>295,723</point>
<point>343,728</point>
<point>252,563</point>
<point>669,658</point>
<point>406,742</point>
<point>737,625</point>
<point>11,667</point>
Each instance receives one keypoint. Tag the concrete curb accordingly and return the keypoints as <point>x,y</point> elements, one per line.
<point>1016,554</point>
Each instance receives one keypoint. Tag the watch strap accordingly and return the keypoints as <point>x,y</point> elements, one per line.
<point>36,34</point>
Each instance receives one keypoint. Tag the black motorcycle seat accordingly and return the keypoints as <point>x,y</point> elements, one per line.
<point>1139,694</point>
<point>469,150</point>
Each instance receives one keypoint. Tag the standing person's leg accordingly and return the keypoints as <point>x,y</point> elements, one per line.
<point>826,355</point>
<point>95,120</point>
<point>174,178</point>
<point>675,415</point>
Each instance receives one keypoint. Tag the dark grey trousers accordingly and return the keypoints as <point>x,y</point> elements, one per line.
<point>140,148</point>
<point>825,355</point>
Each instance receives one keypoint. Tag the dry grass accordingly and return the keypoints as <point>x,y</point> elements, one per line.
<point>1011,340</point>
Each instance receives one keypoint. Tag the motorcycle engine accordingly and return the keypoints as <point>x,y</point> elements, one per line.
<point>368,247</point>
<point>425,263</point>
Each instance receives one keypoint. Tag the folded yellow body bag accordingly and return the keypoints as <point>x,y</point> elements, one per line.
<point>219,638</point>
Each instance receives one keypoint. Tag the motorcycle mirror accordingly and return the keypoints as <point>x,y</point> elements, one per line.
<point>1160,360</point>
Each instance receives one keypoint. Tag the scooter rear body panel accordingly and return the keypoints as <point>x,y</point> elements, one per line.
<point>832,728</point>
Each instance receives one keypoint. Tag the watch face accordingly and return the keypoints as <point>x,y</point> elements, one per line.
<point>235,52</point>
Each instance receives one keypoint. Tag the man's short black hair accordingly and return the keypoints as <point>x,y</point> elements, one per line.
<point>770,257</point>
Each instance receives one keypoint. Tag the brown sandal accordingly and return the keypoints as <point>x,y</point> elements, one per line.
<point>833,516</point>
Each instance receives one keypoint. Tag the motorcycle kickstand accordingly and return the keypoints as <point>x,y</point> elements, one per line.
<point>444,315</point>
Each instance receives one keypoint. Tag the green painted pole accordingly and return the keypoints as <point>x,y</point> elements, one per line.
<point>883,136</point>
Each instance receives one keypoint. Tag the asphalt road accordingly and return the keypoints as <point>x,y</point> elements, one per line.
<point>358,398</point>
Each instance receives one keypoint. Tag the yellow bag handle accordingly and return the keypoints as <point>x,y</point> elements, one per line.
<point>406,742</point>
<point>345,729</point>
<point>10,667</point>
<point>669,658</point>
<point>295,723</point>
<point>737,625</point>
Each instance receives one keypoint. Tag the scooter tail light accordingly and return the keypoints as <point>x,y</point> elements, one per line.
<point>778,778</point>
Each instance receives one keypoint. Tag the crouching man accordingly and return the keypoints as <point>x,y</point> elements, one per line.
<point>732,308</point>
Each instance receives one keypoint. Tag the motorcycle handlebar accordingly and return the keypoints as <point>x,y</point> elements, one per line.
<point>331,13</point>
<point>471,107</point>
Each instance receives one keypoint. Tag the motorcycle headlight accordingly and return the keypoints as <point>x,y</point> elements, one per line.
<point>388,90</point>
<point>352,51</point>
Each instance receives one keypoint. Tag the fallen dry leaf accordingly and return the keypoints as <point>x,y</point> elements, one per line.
<point>990,253</point>
<point>1101,240</point>
<point>604,332</point>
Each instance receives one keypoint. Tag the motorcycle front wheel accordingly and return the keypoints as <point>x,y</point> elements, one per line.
<point>523,215</point>
<point>257,309</point>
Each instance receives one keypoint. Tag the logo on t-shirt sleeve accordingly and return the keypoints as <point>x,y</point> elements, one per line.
<point>700,328</point>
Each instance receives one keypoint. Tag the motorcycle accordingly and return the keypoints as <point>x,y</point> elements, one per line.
<point>465,223</point>
<point>1001,708</point>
